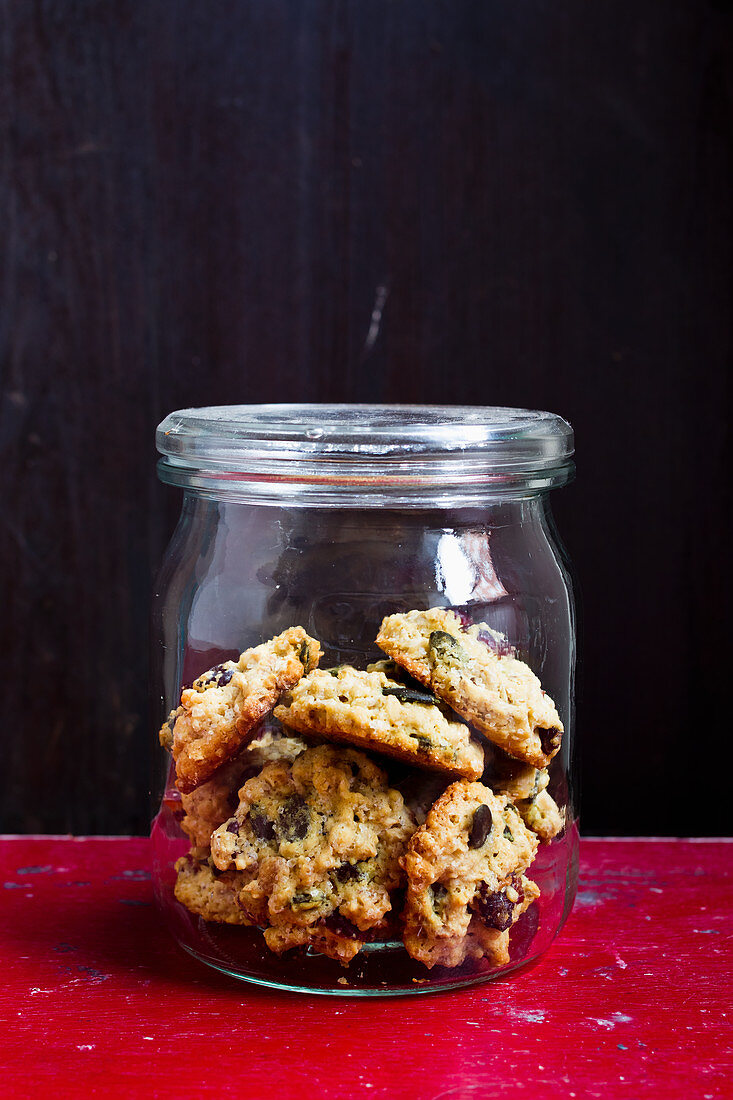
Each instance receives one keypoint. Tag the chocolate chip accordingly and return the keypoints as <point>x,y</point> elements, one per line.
<point>494,908</point>
<point>294,818</point>
<point>233,827</point>
<point>508,834</point>
<point>262,827</point>
<point>549,739</point>
<point>480,827</point>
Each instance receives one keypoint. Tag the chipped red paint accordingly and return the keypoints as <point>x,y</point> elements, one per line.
<point>632,1000</point>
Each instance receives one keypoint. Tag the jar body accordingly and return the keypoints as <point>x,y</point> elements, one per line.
<point>237,574</point>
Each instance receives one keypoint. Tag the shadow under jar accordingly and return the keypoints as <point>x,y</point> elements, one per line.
<point>337,814</point>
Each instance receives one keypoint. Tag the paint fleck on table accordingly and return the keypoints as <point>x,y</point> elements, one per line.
<point>632,1000</point>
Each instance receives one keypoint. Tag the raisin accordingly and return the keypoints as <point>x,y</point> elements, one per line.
<point>480,827</point>
<point>341,926</point>
<point>219,676</point>
<point>304,656</point>
<point>549,739</point>
<point>347,872</point>
<point>261,825</point>
<point>494,908</point>
<point>294,818</point>
<point>508,834</point>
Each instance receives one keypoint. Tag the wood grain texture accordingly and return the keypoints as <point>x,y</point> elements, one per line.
<point>440,201</point>
<point>631,1000</point>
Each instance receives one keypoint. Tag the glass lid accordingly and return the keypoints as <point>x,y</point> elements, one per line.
<point>364,455</point>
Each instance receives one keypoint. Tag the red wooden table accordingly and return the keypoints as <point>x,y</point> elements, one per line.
<point>633,999</point>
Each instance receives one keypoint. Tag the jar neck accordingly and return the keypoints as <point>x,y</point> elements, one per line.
<point>365,456</point>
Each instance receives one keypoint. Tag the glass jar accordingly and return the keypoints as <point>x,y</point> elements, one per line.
<point>342,816</point>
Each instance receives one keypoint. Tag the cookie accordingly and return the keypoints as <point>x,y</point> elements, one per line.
<point>542,815</point>
<point>207,893</point>
<point>220,712</point>
<point>473,671</point>
<point>526,787</point>
<point>318,842</point>
<point>274,743</point>
<point>371,711</point>
<point>210,805</point>
<point>465,878</point>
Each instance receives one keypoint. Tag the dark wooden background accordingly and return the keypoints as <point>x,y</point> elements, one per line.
<point>205,202</point>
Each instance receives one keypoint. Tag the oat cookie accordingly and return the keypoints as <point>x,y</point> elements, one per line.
<point>274,743</point>
<point>526,787</point>
<point>210,805</point>
<point>465,878</point>
<point>208,893</point>
<point>219,713</point>
<point>473,671</point>
<point>542,815</point>
<point>370,710</point>
<point>318,843</point>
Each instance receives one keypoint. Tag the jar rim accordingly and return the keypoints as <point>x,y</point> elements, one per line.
<point>364,454</point>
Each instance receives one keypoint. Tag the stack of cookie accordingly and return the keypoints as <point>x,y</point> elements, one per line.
<point>332,808</point>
